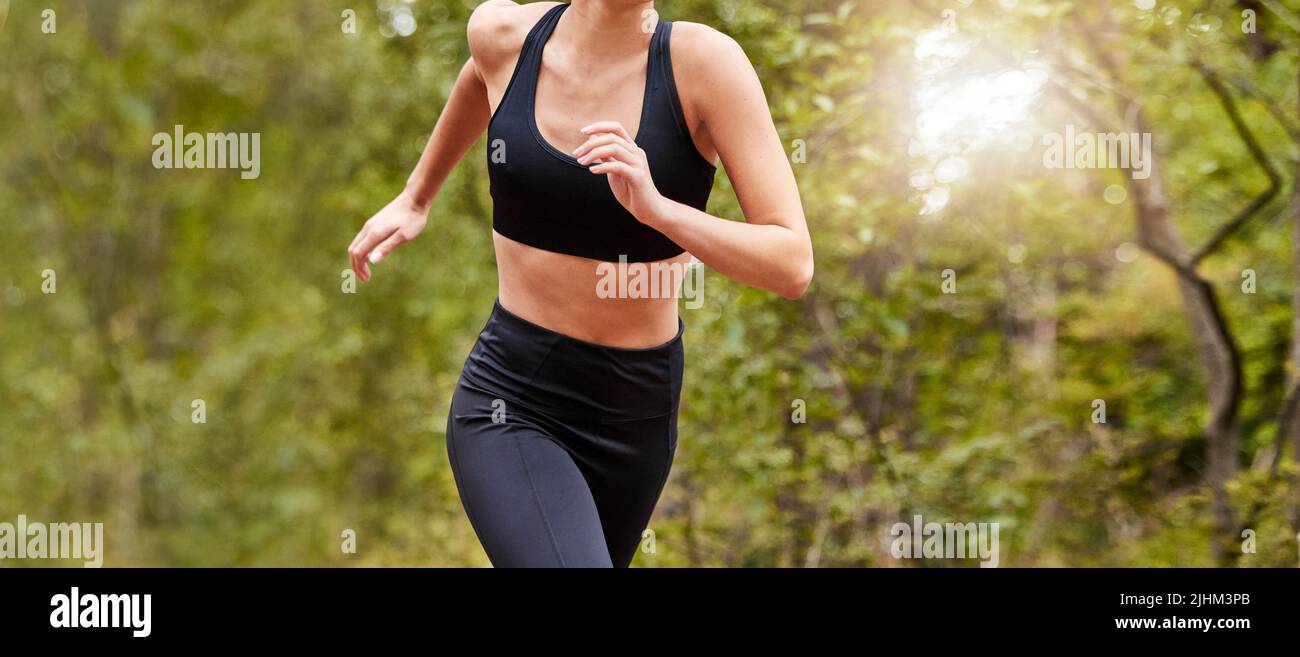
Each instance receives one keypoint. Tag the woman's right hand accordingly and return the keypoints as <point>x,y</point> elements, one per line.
<point>399,222</point>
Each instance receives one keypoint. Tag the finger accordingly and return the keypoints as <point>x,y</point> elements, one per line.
<point>386,247</point>
<point>359,266</point>
<point>615,168</point>
<point>365,246</point>
<point>602,139</point>
<point>610,152</point>
<point>607,126</point>
<point>354,256</point>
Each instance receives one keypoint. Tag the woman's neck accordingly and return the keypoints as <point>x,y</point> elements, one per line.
<point>609,27</point>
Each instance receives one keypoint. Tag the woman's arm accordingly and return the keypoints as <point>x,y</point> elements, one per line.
<point>771,249</point>
<point>464,118</point>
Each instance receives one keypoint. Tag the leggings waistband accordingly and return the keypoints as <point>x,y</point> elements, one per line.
<point>541,369</point>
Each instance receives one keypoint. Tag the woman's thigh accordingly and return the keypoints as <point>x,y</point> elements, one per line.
<point>526,498</point>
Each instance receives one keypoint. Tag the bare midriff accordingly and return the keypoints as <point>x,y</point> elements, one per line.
<point>563,293</point>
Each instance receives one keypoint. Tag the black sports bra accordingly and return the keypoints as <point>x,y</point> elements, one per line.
<point>544,198</point>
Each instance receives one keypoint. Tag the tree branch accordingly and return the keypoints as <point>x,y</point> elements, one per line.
<point>1256,151</point>
<point>1248,89</point>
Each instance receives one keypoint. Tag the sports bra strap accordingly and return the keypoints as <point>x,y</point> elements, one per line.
<point>530,56</point>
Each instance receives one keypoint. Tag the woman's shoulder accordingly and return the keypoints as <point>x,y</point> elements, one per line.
<point>708,65</point>
<point>697,44</point>
<point>497,29</point>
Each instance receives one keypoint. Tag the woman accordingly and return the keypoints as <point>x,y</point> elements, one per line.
<point>603,125</point>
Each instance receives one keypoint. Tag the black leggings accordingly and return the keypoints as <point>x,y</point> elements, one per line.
<point>561,447</point>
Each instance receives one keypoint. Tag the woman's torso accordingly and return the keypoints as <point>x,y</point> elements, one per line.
<point>563,292</point>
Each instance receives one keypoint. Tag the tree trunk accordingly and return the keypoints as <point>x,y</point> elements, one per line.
<point>1217,349</point>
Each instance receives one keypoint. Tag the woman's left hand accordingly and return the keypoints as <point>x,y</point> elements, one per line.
<point>624,165</point>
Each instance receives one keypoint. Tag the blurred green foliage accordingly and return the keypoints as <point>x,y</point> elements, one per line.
<point>326,411</point>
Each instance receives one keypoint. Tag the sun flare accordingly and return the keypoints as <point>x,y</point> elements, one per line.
<point>960,111</point>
